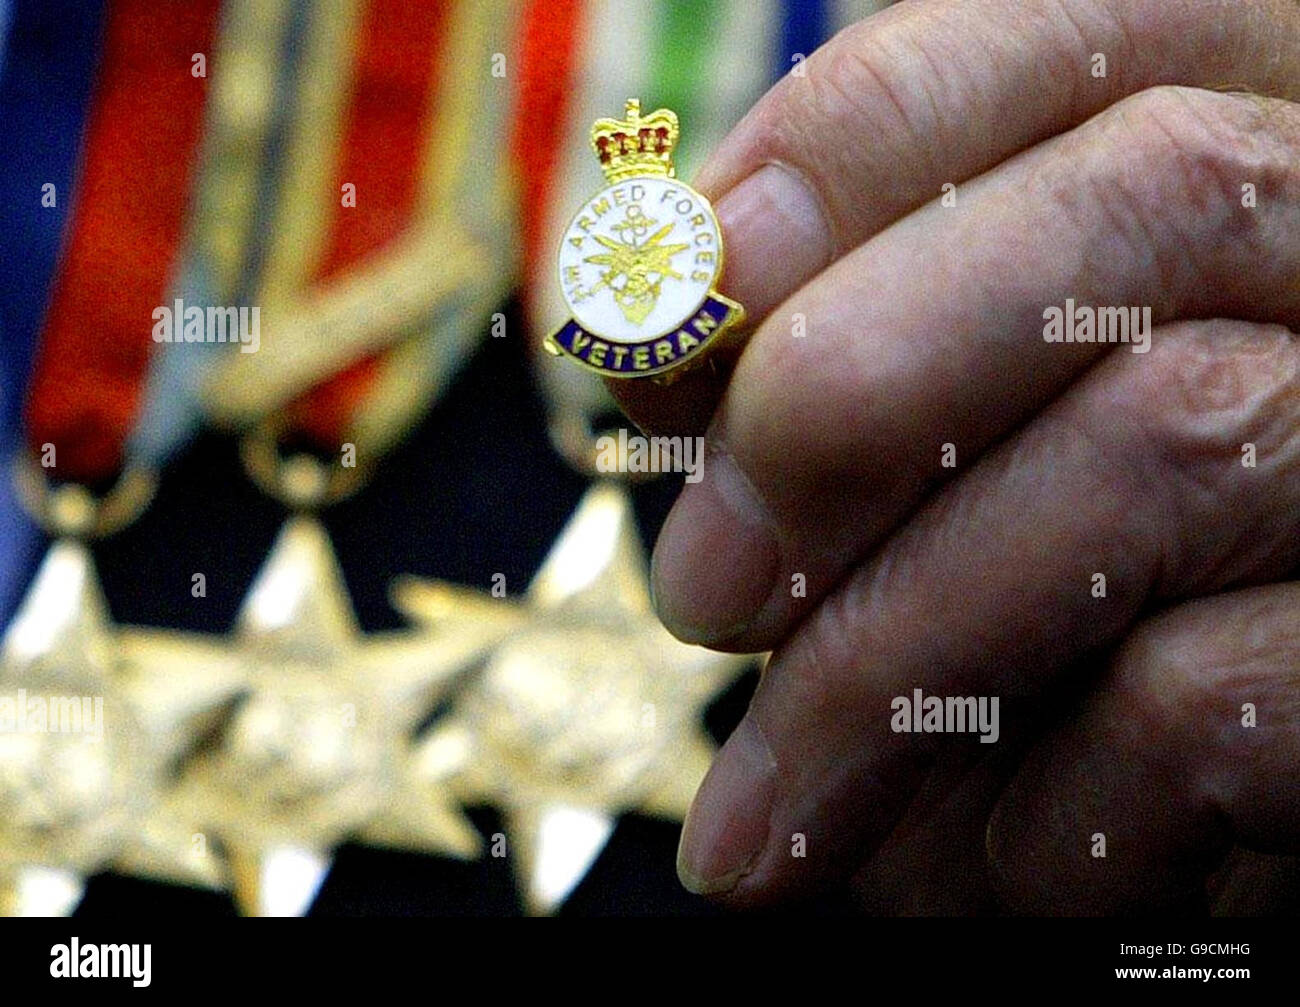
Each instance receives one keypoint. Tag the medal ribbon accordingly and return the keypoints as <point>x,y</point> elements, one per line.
<point>44,95</point>
<point>549,52</point>
<point>48,58</point>
<point>123,236</point>
<point>395,67</point>
<point>369,307</point>
<point>803,29</point>
<point>248,116</point>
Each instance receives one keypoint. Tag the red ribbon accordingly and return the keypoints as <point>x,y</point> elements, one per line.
<point>547,80</point>
<point>399,49</point>
<point>124,233</point>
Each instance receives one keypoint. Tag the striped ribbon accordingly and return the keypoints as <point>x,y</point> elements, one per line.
<point>368,311</point>
<point>123,235</point>
<point>396,67</point>
<point>45,85</point>
<point>257,53</point>
<point>79,97</point>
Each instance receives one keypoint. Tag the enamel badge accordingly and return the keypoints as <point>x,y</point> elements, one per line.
<point>640,260</point>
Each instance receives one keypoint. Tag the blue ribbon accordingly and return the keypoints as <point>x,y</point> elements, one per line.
<point>46,79</point>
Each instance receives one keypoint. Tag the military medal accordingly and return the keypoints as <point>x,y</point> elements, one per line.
<point>92,719</point>
<point>94,716</point>
<point>241,762</point>
<point>320,748</point>
<point>639,262</point>
<point>588,710</point>
<point>368,326</point>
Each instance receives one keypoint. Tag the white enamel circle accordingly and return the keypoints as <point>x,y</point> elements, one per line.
<point>639,258</point>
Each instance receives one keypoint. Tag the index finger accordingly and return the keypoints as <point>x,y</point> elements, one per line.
<point>935,92</point>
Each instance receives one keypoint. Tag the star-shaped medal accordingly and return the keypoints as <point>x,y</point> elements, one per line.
<point>93,721</point>
<point>320,749</point>
<point>589,710</point>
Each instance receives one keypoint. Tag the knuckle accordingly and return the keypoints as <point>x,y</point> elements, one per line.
<point>1209,386</point>
<point>1186,678</point>
<point>1216,406</point>
<point>856,80</point>
<point>1166,168</point>
<point>1195,150</point>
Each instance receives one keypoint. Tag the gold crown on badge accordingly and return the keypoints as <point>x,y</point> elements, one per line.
<point>636,145</point>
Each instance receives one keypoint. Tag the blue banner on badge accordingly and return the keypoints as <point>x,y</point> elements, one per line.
<point>649,356</point>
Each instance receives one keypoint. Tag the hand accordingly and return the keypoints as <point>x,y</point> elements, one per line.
<point>923,326</point>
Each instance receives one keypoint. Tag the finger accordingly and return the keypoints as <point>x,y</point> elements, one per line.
<point>1191,745</point>
<point>825,443</point>
<point>929,93</point>
<point>934,862</point>
<point>1129,491</point>
<point>688,410</point>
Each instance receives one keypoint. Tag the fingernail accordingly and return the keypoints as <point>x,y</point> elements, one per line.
<point>726,829</point>
<point>776,238</point>
<point>716,557</point>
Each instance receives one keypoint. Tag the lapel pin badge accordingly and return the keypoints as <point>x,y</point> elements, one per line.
<point>640,261</point>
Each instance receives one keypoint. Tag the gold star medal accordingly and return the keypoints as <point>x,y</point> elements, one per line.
<point>93,721</point>
<point>639,262</point>
<point>320,749</point>
<point>588,711</point>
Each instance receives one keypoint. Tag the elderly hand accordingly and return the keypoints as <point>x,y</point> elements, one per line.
<point>912,485</point>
